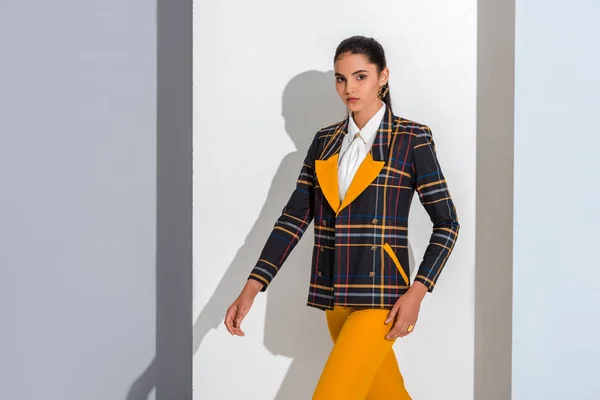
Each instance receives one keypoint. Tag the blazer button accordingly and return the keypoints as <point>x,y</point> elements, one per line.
<point>373,247</point>
<point>321,248</point>
<point>371,274</point>
<point>374,221</point>
<point>324,223</point>
<point>319,273</point>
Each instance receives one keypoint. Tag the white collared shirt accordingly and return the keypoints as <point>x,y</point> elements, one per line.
<point>349,163</point>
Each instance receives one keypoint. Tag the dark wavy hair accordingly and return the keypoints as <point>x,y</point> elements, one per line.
<point>372,50</point>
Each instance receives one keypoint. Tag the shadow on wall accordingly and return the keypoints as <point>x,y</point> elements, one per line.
<point>292,329</point>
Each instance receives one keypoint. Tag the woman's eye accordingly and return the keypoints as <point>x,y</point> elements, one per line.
<point>339,80</point>
<point>361,77</point>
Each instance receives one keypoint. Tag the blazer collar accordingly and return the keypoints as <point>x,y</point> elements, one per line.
<point>379,150</point>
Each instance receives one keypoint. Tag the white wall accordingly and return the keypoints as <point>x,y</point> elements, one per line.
<point>263,86</point>
<point>556,216</point>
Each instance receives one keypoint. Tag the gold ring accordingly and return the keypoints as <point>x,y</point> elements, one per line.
<point>410,328</point>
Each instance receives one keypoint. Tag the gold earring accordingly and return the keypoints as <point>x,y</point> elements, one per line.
<point>382,94</point>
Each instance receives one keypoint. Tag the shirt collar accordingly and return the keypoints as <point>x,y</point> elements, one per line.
<point>370,128</point>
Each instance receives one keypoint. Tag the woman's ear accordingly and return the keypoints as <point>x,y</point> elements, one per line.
<point>384,76</point>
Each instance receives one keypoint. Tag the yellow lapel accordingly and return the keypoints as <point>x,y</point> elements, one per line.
<point>327,175</point>
<point>365,175</point>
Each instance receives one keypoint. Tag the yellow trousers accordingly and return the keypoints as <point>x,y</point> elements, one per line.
<point>362,364</point>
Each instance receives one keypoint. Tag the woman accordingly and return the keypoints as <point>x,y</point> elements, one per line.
<point>357,184</point>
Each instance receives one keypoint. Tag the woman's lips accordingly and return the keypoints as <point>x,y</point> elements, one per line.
<point>352,99</point>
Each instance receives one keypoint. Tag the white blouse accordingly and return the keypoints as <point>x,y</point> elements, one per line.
<point>355,148</point>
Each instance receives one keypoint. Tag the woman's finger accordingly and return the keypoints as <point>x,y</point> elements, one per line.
<point>403,331</point>
<point>239,317</point>
<point>229,319</point>
<point>410,328</point>
<point>238,322</point>
<point>395,331</point>
<point>392,314</point>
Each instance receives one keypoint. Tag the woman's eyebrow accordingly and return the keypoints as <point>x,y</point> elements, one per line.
<point>354,73</point>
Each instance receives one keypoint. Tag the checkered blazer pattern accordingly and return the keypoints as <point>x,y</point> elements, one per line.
<point>360,253</point>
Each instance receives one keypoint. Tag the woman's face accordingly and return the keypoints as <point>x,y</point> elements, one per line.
<point>357,81</point>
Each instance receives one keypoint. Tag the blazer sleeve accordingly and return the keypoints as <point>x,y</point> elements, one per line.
<point>432,189</point>
<point>295,218</point>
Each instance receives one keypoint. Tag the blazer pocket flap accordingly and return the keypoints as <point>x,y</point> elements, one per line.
<point>388,249</point>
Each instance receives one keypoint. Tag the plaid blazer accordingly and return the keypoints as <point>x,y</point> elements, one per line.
<point>360,253</point>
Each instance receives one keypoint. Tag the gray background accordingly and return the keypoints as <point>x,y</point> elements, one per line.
<point>92,275</point>
<point>494,214</point>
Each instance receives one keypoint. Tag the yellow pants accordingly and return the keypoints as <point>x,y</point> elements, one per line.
<point>362,364</point>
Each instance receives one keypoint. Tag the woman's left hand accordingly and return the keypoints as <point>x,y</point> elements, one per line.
<point>406,311</point>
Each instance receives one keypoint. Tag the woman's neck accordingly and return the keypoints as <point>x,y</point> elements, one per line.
<point>363,116</point>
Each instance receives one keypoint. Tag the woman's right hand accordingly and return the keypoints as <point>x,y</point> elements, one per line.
<point>240,307</point>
